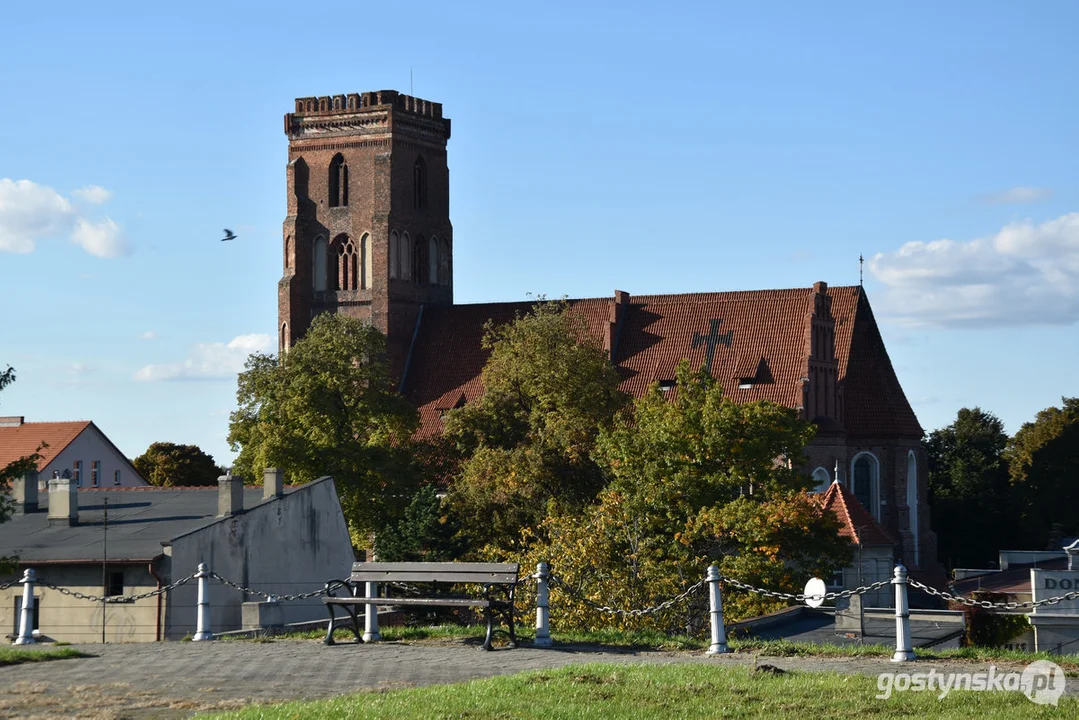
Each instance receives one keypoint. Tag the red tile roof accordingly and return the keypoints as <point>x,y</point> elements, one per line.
<point>768,341</point>
<point>855,521</point>
<point>19,441</point>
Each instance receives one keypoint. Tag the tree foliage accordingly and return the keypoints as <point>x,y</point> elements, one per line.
<point>1043,458</point>
<point>695,479</point>
<point>548,390</point>
<point>170,465</point>
<point>969,489</point>
<point>10,473</point>
<point>329,407</point>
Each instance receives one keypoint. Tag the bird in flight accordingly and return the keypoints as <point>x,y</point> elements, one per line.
<point>228,235</point>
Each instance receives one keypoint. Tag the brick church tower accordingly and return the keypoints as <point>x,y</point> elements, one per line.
<point>368,228</point>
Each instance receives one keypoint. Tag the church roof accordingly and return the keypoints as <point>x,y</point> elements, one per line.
<point>855,522</point>
<point>756,340</point>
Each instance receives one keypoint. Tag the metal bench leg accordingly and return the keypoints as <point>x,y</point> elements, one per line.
<point>490,628</point>
<point>329,630</point>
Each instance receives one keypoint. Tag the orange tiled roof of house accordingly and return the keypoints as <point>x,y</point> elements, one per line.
<point>855,521</point>
<point>19,439</point>
<point>758,335</point>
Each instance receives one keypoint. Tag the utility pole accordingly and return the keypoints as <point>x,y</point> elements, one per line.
<point>104,566</point>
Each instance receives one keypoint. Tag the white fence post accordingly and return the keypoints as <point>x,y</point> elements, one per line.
<point>26,624</point>
<point>370,616</point>
<point>543,610</point>
<point>903,652</point>
<point>715,602</point>
<point>203,631</point>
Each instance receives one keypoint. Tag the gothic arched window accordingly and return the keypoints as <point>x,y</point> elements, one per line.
<point>419,260</point>
<point>406,257</point>
<point>365,261</point>
<point>444,262</point>
<point>912,500</point>
<point>395,254</point>
<point>865,479</point>
<point>319,265</point>
<point>419,184</point>
<point>432,261</point>
<point>338,181</point>
<point>822,480</point>
<point>344,252</point>
<point>283,345</point>
<point>288,252</point>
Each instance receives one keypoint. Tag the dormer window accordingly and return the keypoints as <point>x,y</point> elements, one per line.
<point>745,383</point>
<point>666,385</point>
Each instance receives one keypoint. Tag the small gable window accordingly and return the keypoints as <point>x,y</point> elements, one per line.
<point>116,478</point>
<point>76,472</point>
<point>95,473</point>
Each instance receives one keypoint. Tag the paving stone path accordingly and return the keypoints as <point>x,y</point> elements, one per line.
<point>175,680</point>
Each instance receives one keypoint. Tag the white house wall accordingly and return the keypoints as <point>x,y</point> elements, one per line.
<point>88,446</point>
<point>286,546</point>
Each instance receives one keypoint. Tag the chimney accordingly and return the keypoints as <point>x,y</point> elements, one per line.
<point>63,500</point>
<point>26,492</point>
<point>1073,551</point>
<point>616,312</point>
<point>273,483</point>
<point>230,494</point>
<point>12,420</point>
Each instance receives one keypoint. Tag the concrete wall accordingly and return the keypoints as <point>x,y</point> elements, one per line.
<point>89,446</point>
<point>64,618</point>
<point>285,546</point>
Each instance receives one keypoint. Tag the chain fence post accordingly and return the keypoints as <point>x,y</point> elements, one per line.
<point>903,651</point>
<point>203,628</point>
<point>370,616</point>
<point>543,608</point>
<point>715,610</point>
<point>26,623</point>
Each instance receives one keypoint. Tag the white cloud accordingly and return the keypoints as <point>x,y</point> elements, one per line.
<point>103,239</point>
<point>1018,195</point>
<point>94,194</point>
<point>148,335</point>
<point>209,361</point>
<point>1024,274</point>
<point>30,212</point>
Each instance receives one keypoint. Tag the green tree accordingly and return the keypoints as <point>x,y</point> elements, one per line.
<point>170,465</point>
<point>969,491</point>
<point>695,479</point>
<point>328,407</point>
<point>548,389</point>
<point>9,473</point>
<point>1043,459</point>
<point>423,534</point>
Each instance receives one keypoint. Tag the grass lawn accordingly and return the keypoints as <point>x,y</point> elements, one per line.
<point>19,655</point>
<point>663,691</point>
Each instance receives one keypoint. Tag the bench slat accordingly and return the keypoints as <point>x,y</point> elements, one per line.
<point>444,602</point>
<point>434,576</point>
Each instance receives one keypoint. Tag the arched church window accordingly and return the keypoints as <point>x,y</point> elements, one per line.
<point>432,261</point>
<point>419,184</point>
<point>419,260</point>
<point>912,500</point>
<point>821,480</point>
<point>444,262</point>
<point>288,251</point>
<point>320,262</point>
<point>338,181</point>
<point>365,261</point>
<point>283,345</point>
<point>346,270</point>
<point>865,478</point>
<point>406,257</point>
<point>395,254</point>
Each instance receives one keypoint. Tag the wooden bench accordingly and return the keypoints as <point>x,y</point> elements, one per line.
<point>499,581</point>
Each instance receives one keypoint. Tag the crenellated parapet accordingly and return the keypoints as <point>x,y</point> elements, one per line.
<point>360,111</point>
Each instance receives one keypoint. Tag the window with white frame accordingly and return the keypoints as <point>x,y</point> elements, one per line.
<point>95,473</point>
<point>116,478</point>
<point>821,480</point>
<point>76,472</point>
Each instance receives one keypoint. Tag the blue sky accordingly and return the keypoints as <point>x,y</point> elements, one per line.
<point>714,146</point>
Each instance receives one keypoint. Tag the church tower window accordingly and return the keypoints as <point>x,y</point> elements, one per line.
<point>912,500</point>
<point>419,184</point>
<point>865,480</point>
<point>365,261</point>
<point>320,264</point>
<point>338,181</point>
<point>444,262</point>
<point>346,271</point>
<point>821,479</point>
<point>432,261</point>
<point>419,260</point>
<point>395,254</point>
<point>406,257</point>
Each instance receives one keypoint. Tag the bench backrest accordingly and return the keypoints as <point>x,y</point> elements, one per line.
<point>449,572</point>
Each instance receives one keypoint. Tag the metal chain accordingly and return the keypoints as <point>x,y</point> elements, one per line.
<point>555,580</point>
<point>802,597</point>
<point>5,586</point>
<point>300,596</point>
<point>117,599</point>
<point>971,602</point>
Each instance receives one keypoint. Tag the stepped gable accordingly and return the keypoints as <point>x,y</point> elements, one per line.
<point>855,521</point>
<point>757,341</point>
